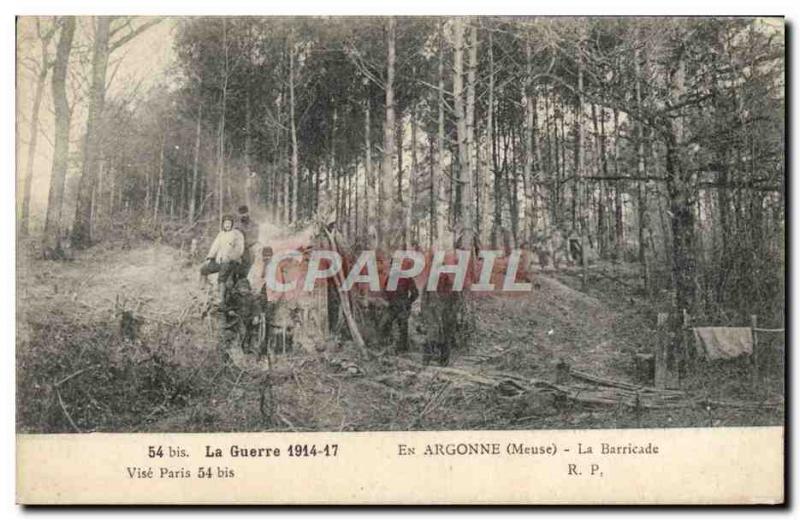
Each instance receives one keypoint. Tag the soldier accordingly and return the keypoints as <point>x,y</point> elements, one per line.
<point>558,249</point>
<point>239,321</point>
<point>442,309</point>
<point>267,306</point>
<point>575,247</point>
<point>258,305</point>
<point>440,318</point>
<point>224,258</point>
<point>399,309</point>
<point>249,230</point>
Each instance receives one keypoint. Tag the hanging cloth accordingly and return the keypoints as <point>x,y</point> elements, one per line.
<point>723,342</point>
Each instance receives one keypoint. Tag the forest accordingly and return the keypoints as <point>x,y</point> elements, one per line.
<point>657,144</point>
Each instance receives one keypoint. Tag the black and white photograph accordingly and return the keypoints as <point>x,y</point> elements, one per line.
<point>357,224</point>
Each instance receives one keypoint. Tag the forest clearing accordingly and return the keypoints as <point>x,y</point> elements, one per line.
<point>637,165</point>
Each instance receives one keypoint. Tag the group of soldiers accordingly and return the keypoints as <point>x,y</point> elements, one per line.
<point>233,252</point>
<point>231,256</point>
<point>556,247</point>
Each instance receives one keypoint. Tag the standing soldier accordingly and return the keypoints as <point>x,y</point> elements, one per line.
<point>444,310</point>
<point>399,309</point>
<point>265,302</point>
<point>440,319</point>
<point>575,247</point>
<point>249,230</point>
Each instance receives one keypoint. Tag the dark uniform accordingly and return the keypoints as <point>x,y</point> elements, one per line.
<point>399,311</point>
<point>249,229</point>
<point>440,319</point>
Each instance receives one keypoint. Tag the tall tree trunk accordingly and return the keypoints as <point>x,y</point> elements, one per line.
<point>512,188</point>
<point>486,184</point>
<point>502,189</point>
<point>464,162</point>
<point>286,180</point>
<point>497,221</point>
<point>619,229</point>
<point>337,202</point>
<point>293,127</point>
<point>641,186</point>
<point>369,186</point>
<point>412,179</point>
<point>81,232</point>
<point>438,182</point>
<point>221,134</point>
<point>583,215</point>
<point>357,218</point>
<point>331,173</point>
<point>195,166</point>
<point>681,197</point>
<point>276,189</point>
<point>398,135</point>
<point>432,202</point>
<point>248,150</point>
<point>561,152</point>
<point>601,202</point>
<point>470,122</point>
<point>386,206</point>
<point>147,190</point>
<point>530,194</point>
<point>560,145</point>
<point>112,194</point>
<point>160,184</point>
<point>92,209</point>
<point>97,197</point>
<point>554,175</point>
<point>33,135</point>
<point>317,182</point>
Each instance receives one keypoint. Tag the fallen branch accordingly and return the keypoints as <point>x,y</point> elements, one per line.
<point>66,413</point>
<point>624,385</point>
<point>286,421</point>
<point>76,374</point>
<point>235,384</point>
<point>744,405</point>
<point>614,278</point>
<point>390,389</point>
<point>435,401</point>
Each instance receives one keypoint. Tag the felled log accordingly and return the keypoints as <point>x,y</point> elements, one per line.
<point>504,382</point>
<point>623,385</point>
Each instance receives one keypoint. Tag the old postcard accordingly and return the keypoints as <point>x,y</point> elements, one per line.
<point>400,260</point>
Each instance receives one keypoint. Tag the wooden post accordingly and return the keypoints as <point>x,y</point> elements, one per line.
<point>682,361</point>
<point>754,355</point>
<point>660,358</point>
<point>562,372</point>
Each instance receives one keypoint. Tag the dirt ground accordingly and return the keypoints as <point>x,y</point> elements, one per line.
<point>125,340</point>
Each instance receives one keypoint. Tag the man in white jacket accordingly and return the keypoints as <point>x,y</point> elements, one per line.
<point>224,257</point>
